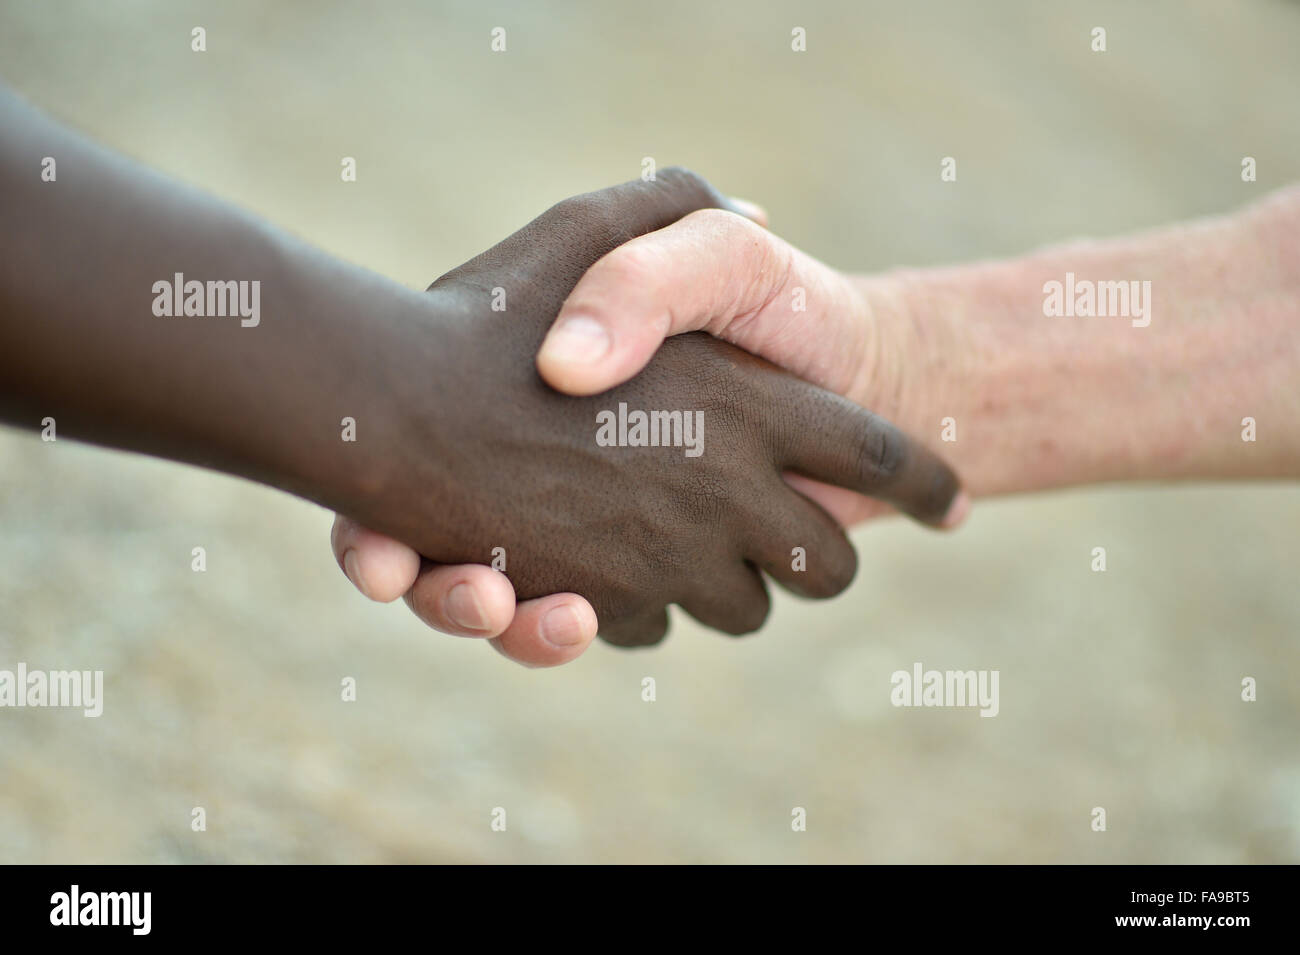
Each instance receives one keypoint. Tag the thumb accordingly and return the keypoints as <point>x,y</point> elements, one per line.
<point>711,271</point>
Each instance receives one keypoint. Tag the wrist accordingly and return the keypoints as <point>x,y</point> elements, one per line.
<point>356,353</point>
<point>938,341</point>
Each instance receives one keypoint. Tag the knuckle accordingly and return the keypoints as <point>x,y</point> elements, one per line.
<point>685,191</point>
<point>591,211</point>
<point>719,223</point>
<point>881,453</point>
<point>636,264</point>
<point>568,207</point>
<point>689,183</point>
<point>750,616</point>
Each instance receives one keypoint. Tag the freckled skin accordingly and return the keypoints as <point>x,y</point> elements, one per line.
<point>460,447</point>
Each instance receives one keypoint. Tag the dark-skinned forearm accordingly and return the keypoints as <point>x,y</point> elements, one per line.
<point>80,341</point>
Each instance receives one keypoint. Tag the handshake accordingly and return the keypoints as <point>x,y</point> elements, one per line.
<point>598,525</point>
<point>641,398</point>
<point>611,469</point>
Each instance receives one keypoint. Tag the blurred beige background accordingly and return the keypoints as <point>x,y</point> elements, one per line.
<point>1118,690</point>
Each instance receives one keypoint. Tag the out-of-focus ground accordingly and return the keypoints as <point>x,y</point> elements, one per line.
<point>1119,690</point>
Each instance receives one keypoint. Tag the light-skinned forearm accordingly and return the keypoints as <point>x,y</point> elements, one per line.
<point>1039,402</point>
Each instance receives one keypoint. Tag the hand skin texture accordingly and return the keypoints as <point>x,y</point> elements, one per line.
<point>1038,402</point>
<point>693,559</point>
<point>460,447</point>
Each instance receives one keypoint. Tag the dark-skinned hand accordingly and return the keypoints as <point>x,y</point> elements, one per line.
<point>482,454</point>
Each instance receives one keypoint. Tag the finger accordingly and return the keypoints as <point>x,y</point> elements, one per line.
<point>846,507</point>
<point>801,547</point>
<point>712,271</point>
<point>465,601</point>
<point>831,439</point>
<point>381,568</point>
<point>548,631</point>
<point>737,605</point>
<point>641,630</point>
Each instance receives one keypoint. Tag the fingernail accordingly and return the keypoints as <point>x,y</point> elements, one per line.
<point>577,340</point>
<point>562,627</point>
<point>464,609</point>
<point>957,510</point>
<point>352,567</point>
<point>750,210</point>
